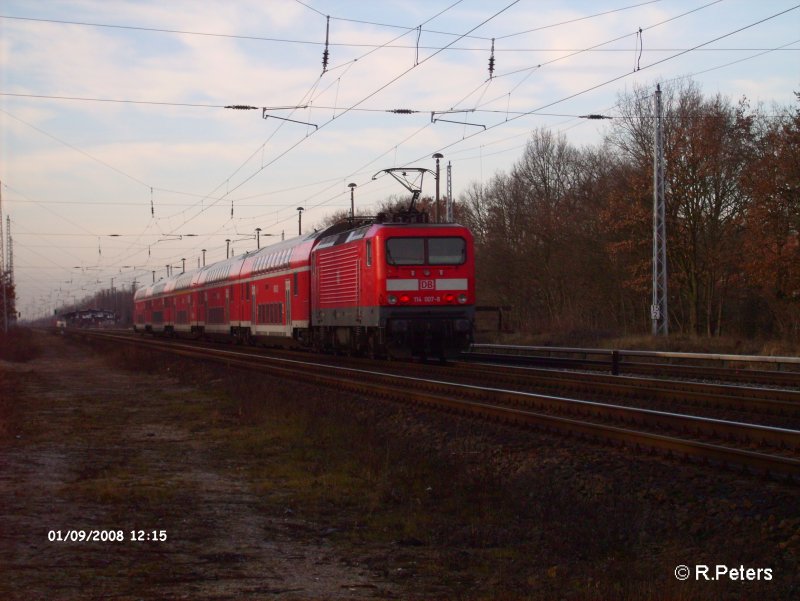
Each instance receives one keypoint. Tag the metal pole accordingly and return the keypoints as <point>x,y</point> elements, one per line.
<point>449,210</point>
<point>5,301</point>
<point>352,187</point>
<point>658,309</point>
<point>9,275</point>
<point>258,238</point>
<point>300,221</point>
<point>3,265</point>
<point>437,156</point>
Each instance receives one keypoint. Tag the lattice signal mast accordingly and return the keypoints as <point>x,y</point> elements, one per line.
<point>2,241</point>
<point>449,207</point>
<point>10,251</point>
<point>659,313</point>
<point>3,265</point>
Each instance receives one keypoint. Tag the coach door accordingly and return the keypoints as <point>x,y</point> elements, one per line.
<point>228,304</point>
<point>202,300</point>
<point>288,292</point>
<point>253,309</point>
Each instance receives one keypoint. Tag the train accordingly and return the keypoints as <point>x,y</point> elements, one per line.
<point>396,287</point>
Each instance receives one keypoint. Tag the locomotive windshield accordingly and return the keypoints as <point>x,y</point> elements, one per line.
<point>446,251</point>
<point>426,251</point>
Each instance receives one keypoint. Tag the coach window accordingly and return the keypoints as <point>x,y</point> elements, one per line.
<point>369,253</point>
<point>294,284</point>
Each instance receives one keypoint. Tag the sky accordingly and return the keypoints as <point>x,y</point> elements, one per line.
<point>119,157</point>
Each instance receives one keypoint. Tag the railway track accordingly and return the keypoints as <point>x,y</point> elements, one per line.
<point>753,447</point>
<point>718,399</point>
<point>765,370</point>
<point>781,406</point>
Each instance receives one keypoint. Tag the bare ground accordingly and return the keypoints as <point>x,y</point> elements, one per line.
<point>99,450</point>
<point>258,503</point>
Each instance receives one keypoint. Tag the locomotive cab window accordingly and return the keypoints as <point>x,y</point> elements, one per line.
<point>446,251</point>
<point>405,251</point>
<point>426,251</point>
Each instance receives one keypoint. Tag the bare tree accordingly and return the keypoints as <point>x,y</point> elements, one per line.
<point>772,235</point>
<point>705,154</point>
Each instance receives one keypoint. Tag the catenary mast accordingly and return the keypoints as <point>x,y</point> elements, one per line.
<point>658,309</point>
<point>3,265</point>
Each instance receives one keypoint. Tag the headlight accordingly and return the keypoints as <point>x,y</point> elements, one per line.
<point>462,298</point>
<point>392,299</point>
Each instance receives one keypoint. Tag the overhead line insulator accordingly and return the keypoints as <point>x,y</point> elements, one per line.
<point>325,52</point>
<point>491,62</point>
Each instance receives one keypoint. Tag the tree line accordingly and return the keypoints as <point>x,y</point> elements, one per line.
<point>565,237</point>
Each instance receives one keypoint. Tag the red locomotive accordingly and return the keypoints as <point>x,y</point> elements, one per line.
<point>396,287</point>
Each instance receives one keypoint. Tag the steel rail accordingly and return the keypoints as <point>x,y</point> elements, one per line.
<point>615,362</point>
<point>631,353</point>
<point>429,392</point>
<point>761,400</point>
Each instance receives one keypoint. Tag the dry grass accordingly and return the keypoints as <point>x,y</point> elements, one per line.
<point>448,506</point>
<point>18,345</point>
<point>675,343</point>
<point>10,411</point>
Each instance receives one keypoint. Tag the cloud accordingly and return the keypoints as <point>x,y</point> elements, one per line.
<point>282,165</point>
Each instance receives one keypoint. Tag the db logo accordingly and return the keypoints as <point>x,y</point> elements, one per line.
<point>427,284</point>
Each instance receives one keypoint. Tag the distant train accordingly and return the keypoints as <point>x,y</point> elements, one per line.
<point>399,288</point>
<point>87,318</point>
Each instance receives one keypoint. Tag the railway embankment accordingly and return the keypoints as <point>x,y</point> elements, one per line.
<point>187,480</point>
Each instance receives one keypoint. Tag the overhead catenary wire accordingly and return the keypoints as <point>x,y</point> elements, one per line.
<point>535,111</point>
<point>186,104</point>
<point>596,116</point>
<point>625,75</point>
<point>512,113</point>
<point>313,42</point>
<point>355,105</point>
<point>532,69</point>
<point>226,182</point>
<point>264,166</point>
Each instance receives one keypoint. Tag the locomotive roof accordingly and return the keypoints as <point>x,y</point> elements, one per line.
<point>334,238</point>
